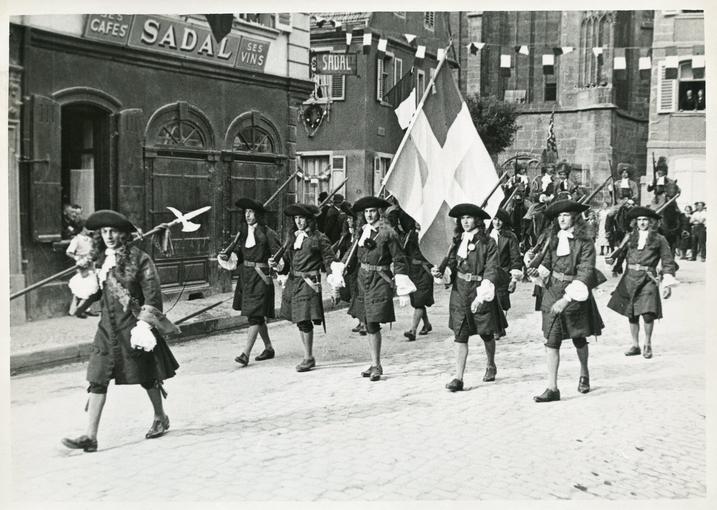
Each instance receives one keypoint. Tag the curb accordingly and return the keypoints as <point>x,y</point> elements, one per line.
<point>49,357</point>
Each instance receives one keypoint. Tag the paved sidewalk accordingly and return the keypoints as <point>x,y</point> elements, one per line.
<point>266,432</point>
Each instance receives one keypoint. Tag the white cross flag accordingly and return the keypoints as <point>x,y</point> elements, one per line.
<point>441,162</point>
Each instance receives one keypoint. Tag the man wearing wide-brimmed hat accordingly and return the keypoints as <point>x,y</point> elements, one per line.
<point>308,253</point>
<point>564,188</point>
<point>377,249</point>
<point>638,292</point>
<point>473,307</point>
<point>625,188</point>
<point>254,292</point>
<point>567,275</point>
<point>664,188</point>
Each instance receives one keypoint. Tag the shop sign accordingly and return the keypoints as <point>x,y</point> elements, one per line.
<point>108,27</point>
<point>335,63</point>
<point>252,54</point>
<point>173,37</point>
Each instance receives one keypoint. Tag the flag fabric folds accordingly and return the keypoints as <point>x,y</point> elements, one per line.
<point>442,163</point>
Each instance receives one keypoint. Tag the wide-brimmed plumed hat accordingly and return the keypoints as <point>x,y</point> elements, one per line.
<point>560,206</point>
<point>370,203</point>
<point>306,210</point>
<point>636,212</point>
<point>468,210</point>
<point>109,218</point>
<point>662,163</point>
<point>503,216</point>
<point>563,167</point>
<point>622,167</point>
<point>247,203</point>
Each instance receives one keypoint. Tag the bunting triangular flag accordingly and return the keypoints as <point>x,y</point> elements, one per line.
<point>336,24</point>
<point>548,63</point>
<point>524,50</point>
<point>567,49</point>
<point>382,43</point>
<point>367,42</point>
<point>644,64</point>
<point>420,55</point>
<point>597,51</point>
<point>349,36</point>
<point>619,60</point>
<point>410,38</point>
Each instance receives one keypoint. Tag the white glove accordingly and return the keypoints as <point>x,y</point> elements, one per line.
<point>404,285</point>
<point>336,278</point>
<point>576,291</point>
<point>475,304</point>
<point>447,276</point>
<point>282,280</point>
<point>403,301</point>
<point>141,337</point>
<point>669,281</point>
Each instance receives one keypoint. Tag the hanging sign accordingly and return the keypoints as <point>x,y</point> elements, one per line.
<point>336,63</point>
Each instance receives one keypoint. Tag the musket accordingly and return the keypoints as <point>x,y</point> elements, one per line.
<point>586,200</point>
<point>627,236</point>
<point>230,248</point>
<point>497,185</point>
<point>654,171</point>
<point>183,219</point>
<point>614,192</point>
<point>336,190</point>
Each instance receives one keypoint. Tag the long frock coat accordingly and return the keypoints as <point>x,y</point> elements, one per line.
<point>299,301</point>
<point>580,318</point>
<point>419,271</point>
<point>489,318</point>
<point>375,293</point>
<point>508,258</point>
<point>112,356</point>
<point>252,296</point>
<point>637,292</point>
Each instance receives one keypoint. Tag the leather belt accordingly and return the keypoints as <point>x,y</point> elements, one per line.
<point>417,262</point>
<point>305,275</point>
<point>563,277</point>
<point>638,267</point>
<point>257,267</point>
<point>469,277</point>
<point>380,270</point>
<point>255,264</point>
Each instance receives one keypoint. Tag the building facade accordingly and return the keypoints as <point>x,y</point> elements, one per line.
<point>600,114</point>
<point>677,127</point>
<point>140,112</point>
<point>358,133</point>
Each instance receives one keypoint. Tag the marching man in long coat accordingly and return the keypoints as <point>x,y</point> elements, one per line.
<point>509,260</point>
<point>377,248</point>
<point>129,345</point>
<point>309,252</point>
<point>638,294</point>
<point>473,307</point>
<point>254,293</point>
<point>567,275</point>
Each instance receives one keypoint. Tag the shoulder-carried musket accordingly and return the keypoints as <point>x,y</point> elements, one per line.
<point>587,199</point>
<point>183,219</point>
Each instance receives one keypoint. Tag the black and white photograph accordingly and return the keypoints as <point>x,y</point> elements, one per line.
<point>331,256</point>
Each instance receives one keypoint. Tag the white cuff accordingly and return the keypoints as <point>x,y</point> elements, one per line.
<point>141,336</point>
<point>516,274</point>
<point>543,271</point>
<point>337,267</point>
<point>336,280</point>
<point>576,291</point>
<point>282,279</point>
<point>230,264</point>
<point>404,285</point>
<point>485,291</point>
<point>669,280</point>
<point>543,197</point>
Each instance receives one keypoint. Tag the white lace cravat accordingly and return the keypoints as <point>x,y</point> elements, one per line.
<point>466,238</point>
<point>641,239</point>
<point>624,183</point>
<point>366,233</point>
<point>109,263</point>
<point>300,235</point>
<point>544,181</point>
<point>563,244</point>
<point>661,181</point>
<point>250,240</point>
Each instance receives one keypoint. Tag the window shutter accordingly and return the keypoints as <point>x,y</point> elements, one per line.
<point>283,21</point>
<point>666,92</point>
<point>130,139</point>
<point>379,79</point>
<point>337,87</point>
<point>45,167</point>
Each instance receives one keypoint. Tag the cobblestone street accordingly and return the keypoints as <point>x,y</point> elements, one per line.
<point>266,432</point>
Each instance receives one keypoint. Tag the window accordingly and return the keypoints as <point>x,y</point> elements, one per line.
<point>691,88</point>
<point>429,19</point>
<point>252,132</point>
<point>330,87</point>
<point>382,84</point>
<point>514,96</point>
<point>263,19</point>
<point>397,70</point>
<point>338,170</point>
<point>381,163</point>
<point>550,92</point>
<point>317,175</point>
<point>283,21</point>
<point>420,85</point>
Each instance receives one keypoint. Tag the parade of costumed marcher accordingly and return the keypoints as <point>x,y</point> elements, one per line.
<point>376,250</point>
<point>638,292</point>
<point>566,274</point>
<point>333,218</point>
<point>625,188</point>
<point>306,253</point>
<point>510,262</point>
<point>419,271</point>
<point>662,186</point>
<point>129,344</point>
<point>254,292</point>
<point>473,307</point>
<point>565,189</point>
<point>84,284</point>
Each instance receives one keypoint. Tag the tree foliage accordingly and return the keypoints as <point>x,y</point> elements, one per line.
<point>495,121</point>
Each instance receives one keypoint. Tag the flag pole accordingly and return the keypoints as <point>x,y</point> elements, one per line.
<point>413,119</point>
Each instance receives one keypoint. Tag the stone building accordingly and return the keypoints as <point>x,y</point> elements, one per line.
<point>601,114</point>
<point>141,112</point>
<point>677,124</point>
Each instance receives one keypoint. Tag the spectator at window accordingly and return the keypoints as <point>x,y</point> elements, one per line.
<point>689,103</point>
<point>700,101</point>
